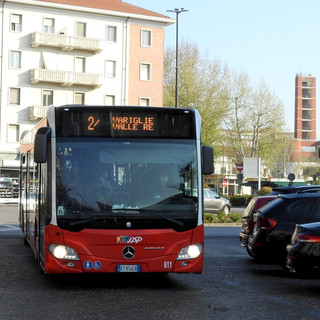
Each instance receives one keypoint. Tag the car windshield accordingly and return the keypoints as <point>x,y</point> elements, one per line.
<point>102,181</point>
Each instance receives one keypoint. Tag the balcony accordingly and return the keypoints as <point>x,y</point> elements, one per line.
<point>65,78</point>
<point>66,43</point>
<point>37,112</point>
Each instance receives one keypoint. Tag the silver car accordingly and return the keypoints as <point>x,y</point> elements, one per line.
<point>213,202</point>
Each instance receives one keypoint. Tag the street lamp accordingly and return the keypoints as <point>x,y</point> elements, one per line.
<point>177,11</point>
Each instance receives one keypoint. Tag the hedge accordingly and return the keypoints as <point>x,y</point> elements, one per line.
<point>222,218</point>
<point>240,200</point>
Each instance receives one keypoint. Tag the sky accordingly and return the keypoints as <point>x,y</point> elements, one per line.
<point>272,41</point>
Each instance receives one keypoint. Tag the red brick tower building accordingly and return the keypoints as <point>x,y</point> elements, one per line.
<point>305,118</point>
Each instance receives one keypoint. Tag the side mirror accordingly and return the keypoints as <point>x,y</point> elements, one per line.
<point>207,160</point>
<point>41,144</point>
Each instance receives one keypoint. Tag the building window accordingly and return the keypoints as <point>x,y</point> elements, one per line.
<point>15,59</point>
<point>145,38</point>
<point>13,133</point>
<point>110,69</point>
<point>16,22</point>
<point>109,100</point>
<point>14,96</point>
<point>80,64</point>
<point>81,29</point>
<point>308,149</point>
<point>145,102</point>
<point>47,98</point>
<point>306,136</point>
<point>79,98</point>
<point>111,34</point>
<point>145,71</point>
<point>48,25</point>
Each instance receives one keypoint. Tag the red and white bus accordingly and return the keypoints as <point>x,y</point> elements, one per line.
<point>115,189</point>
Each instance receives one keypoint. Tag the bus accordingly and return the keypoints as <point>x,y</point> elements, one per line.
<point>114,189</point>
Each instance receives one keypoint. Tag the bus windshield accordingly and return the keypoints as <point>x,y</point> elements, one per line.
<point>104,183</point>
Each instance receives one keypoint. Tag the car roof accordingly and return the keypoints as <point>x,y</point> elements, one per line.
<point>299,195</point>
<point>301,187</point>
<point>293,189</point>
<point>208,189</point>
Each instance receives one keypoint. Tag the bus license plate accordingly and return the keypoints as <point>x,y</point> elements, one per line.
<point>128,268</point>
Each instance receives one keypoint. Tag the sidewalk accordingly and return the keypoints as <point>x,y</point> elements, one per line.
<point>238,209</point>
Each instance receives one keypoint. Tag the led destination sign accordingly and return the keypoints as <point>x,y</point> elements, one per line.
<point>124,123</point>
<point>77,121</point>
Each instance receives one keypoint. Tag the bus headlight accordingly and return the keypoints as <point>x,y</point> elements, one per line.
<point>190,252</point>
<point>63,252</point>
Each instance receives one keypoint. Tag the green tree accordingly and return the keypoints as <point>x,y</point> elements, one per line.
<point>201,86</point>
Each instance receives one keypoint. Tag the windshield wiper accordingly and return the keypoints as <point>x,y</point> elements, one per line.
<point>177,222</point>
<point>173,220</point>
<point>79,222</point>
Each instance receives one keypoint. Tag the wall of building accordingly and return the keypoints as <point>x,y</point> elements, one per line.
<point>125,51</point>
<point>151,89</point>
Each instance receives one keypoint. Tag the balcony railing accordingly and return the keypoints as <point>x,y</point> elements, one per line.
<point>65,78</point>
<point>66,43</point>
<point>37,112</point>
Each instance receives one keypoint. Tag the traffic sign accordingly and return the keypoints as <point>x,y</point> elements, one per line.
<point>239,166</point>
<point>224,183</point>
<point>291,176</point>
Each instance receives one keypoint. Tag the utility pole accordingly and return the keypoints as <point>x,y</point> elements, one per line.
<point>177,11</point>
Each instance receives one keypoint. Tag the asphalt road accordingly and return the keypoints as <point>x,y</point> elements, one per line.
<point>232,286</point>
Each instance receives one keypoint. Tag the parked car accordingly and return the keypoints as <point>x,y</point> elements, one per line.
<point>213,202</point>
<point>304,249</point>
<point>247,218</point>
<point>275,223</point>
<point>295,189</point>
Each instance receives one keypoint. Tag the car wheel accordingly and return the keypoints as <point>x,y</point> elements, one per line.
<point>299,267</point>
<point>226,210</point>
<point>258,255</point>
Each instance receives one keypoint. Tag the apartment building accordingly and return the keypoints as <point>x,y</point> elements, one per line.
<point>304,143</point>
<point>67,51</point>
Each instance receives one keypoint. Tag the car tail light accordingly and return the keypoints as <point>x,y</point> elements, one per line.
<point>266,223</point>
<point>307,238</point>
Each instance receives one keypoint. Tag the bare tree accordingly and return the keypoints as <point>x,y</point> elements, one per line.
<point>238,119</point>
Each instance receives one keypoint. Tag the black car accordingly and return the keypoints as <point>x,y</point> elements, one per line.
<point>247,218</point>
<point>304,249</point>
<point>295,189</point>
<point>275,223</point>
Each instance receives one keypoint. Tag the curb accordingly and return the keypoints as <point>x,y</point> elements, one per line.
<point>231,224</point>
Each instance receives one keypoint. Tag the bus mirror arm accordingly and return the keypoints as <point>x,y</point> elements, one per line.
<point>207,160</point>
<point>41,144</point>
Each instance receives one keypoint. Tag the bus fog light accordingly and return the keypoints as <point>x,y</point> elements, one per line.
<point>191,252</point>
<point>63,252</point>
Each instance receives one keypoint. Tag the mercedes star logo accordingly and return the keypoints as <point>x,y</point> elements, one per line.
<point>128,252</point>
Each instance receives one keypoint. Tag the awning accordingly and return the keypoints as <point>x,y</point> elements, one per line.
<point>281,183</point>
<point>254,184</point>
